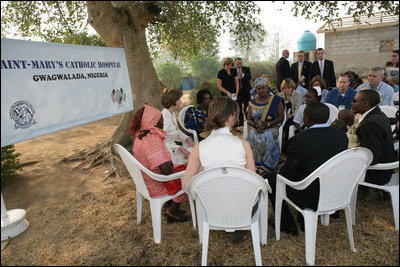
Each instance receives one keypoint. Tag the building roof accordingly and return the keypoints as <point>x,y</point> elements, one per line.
<point>349,23</point>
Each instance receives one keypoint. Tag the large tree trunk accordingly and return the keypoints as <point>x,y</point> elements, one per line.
<point>124,25</point>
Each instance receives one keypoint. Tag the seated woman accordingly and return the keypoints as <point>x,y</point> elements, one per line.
<point>149,149</point>
<point>221,148</point>
<point>196,116</point>
<point>312,95</point>
<point>318,81</point>
<point>265,114</point>
<point>178,143</point>
<point>293,100</point>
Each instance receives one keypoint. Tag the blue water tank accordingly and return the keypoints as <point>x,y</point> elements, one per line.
<point>307,41</point>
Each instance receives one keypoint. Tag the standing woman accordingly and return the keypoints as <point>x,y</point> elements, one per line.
<point>293,100</point>
<point>265,114</point>
<point>227,80</point>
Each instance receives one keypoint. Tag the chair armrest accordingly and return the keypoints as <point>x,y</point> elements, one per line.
<point>384,166</point>
<point>165,178</point>
<point>300,185</point>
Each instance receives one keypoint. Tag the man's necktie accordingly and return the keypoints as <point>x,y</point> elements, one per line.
<point>321,67</point>
<point>299,71</point>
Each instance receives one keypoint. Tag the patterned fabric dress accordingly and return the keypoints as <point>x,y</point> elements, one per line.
<point>265,145</point>
<point>195,118</point>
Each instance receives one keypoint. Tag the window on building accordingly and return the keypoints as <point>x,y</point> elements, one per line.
<point>386,46</point>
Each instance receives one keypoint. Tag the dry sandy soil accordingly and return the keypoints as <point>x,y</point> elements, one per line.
<point>77,217</point>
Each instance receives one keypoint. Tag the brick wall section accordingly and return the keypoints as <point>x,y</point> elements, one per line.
<point>358,49</point>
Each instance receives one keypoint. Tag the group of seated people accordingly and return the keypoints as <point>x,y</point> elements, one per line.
<point>163,148</point>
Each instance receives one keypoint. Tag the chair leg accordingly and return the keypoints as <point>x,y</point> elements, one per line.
<point>310,231</point>
<point>192,210</point>
<point>155,206</point>
<point>139,200</point>
<point>255,235</point>
<point>199,215</point>
<point>394,195</point>
<point>325,219</point>
<point>278,214</point>
<point>263,219</point>
<point>353,205</point>
<point>347,213</point>
<point>206,232</point>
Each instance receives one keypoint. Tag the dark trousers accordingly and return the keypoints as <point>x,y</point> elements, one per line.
<point>243,101</point>
<point>287,221</point>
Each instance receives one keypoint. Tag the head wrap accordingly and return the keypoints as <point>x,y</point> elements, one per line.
<point>150,118</point>
<point>260,81</point>
<point>318,90</point>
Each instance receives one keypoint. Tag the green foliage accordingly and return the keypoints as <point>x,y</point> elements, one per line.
<point>81,38</point>
<point>329,10</point>
<point>263,67</point>
<point>210,85</point>
<point>10,165</point>
<point>170,74</point>
<point>205,68</point>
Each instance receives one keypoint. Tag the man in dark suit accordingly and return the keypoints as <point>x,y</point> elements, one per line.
<point>301,77</point>
<point>305,153</point>
<point>323,68</point>
<point>244,75</point>
<point>282,69</point>
<point>374,133</point>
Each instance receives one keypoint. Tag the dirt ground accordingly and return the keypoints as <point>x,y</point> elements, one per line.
<point>78,217</point>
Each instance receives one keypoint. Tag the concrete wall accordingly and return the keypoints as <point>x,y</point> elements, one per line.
<point>359,49</point>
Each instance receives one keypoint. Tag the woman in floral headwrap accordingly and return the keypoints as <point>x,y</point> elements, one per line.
<point>149,149</point>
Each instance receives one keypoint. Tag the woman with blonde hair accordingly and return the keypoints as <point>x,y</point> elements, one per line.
<point>227,80</point>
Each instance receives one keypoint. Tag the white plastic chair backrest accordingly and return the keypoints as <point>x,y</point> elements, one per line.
<point>389,111</point>
<point>333,112</point>
<point>181,120</point>
<point>227,195</point>
<point>338,177</point>
<point>134,167</point>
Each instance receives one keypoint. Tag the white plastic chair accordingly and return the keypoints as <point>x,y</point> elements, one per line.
<point>181,120</point>
<point>224,199</point>
<point>280,131</point>
<point>338,177</point>
<point>392,187</point>
<point>389,111</point>
<point>135,169</point>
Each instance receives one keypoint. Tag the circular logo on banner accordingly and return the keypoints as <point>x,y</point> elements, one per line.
<point>118,96</point>
<point>22,113</point>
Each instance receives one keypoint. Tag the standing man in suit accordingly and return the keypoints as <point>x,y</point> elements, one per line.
<point>323,68</point>
<point>374,133</point>
<point>300,71</point>
<point>305,153</point>
<point>282,69</point>
<point>244,76</point>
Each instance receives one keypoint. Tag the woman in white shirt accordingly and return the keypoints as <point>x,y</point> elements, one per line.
<point>178,144</point>
<point>221,148</point>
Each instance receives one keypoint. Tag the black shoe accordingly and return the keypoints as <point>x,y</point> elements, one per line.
<point>293,231</point>
<point>237,236</point>
<point>335,215</point>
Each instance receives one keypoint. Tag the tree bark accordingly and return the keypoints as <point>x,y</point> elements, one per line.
<point>126,27</point>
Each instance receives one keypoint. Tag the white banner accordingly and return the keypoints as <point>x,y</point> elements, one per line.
<point>47,87</point>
